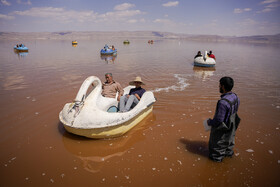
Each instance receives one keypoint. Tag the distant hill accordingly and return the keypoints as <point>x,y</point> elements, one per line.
<point>154,35</point>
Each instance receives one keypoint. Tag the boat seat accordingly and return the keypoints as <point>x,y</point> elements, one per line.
<point>116,109</point>
<point>113,109</point>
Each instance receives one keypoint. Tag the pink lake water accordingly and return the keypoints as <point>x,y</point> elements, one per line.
<point>167,148</point>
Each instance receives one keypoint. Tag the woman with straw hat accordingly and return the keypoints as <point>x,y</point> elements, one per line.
<point>130,100</point>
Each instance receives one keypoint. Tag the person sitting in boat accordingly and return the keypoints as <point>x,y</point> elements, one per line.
<point>198,54</point>
<point>106,47</point>
<point>113,48</point>
<point>211,55</point>
<point>110,87</point>
<point>128,101</point>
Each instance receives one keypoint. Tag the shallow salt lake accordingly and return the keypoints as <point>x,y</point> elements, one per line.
<point>169,147</point>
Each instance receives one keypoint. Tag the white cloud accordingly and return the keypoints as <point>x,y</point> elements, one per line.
<point>132,21</point>
<point>58,14</point>
<point>247,9</point>
<point>5,2</point>
<point>256,27</point>
<point>162,21</point>
<point>248,22</point>
<point>2,16</point>
<point>266,10</point>
<point>269,1</point>
<point>124,6</point>
<point>120,14</point>
<point>28,2</point>
<point>270,5</point>
<point>67,16</point>
<point>170,4</point>
<point>239,11</point>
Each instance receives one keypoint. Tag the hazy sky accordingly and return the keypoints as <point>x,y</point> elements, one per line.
<point>221,17</point>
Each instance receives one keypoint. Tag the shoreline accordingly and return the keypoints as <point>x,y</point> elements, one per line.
<point>94,35</point>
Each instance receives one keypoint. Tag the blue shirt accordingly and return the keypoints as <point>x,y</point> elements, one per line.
<point>223,109</point>
<point>140,91</point>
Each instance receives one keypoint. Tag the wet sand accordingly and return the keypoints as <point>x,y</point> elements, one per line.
<point>169,147</point>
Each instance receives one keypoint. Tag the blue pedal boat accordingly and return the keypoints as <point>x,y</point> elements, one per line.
<point>108,50</point>
<point>21,48</point>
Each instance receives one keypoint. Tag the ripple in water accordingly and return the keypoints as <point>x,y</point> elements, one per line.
<point>180,86</point>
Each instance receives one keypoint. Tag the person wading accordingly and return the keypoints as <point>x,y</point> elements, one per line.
<point>224,123</point>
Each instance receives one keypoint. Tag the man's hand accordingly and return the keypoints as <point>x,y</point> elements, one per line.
<point>137,96</point>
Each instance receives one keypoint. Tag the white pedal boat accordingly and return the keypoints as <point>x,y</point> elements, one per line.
<point>204,61</point>
<point>88,115</point>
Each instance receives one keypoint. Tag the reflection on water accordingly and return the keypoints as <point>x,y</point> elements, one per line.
<point>14,81</point>
<point>110,59</point>
<point>20,54</point>
<point>94,154</point>
<point>204,72</point>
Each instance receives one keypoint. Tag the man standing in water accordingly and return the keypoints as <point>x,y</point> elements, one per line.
<point>110,87</point>
<point>224,123</point>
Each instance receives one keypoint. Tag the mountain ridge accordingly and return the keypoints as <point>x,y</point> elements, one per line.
<point>154,35</point>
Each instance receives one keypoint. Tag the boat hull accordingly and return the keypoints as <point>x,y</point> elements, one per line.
<point>202,62</point>
<point>111,131</point>
<point>21,49</point>
<point>203,65</point>
<point>108,52</point>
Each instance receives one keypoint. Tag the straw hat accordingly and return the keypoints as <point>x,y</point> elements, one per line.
<point>137,79</point>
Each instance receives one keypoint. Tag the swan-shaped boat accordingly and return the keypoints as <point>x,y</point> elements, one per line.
<point>95,116</point>
<point>204,61</point>
<point>108,51</point>
<point>21,48</point>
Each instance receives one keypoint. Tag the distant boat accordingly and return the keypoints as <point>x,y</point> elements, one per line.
<point>204,61</point>
<point>108,50</point>
<point>94,116</point>
<point>126,42</point>
<point>74,42</point>
<point>21,48</point>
